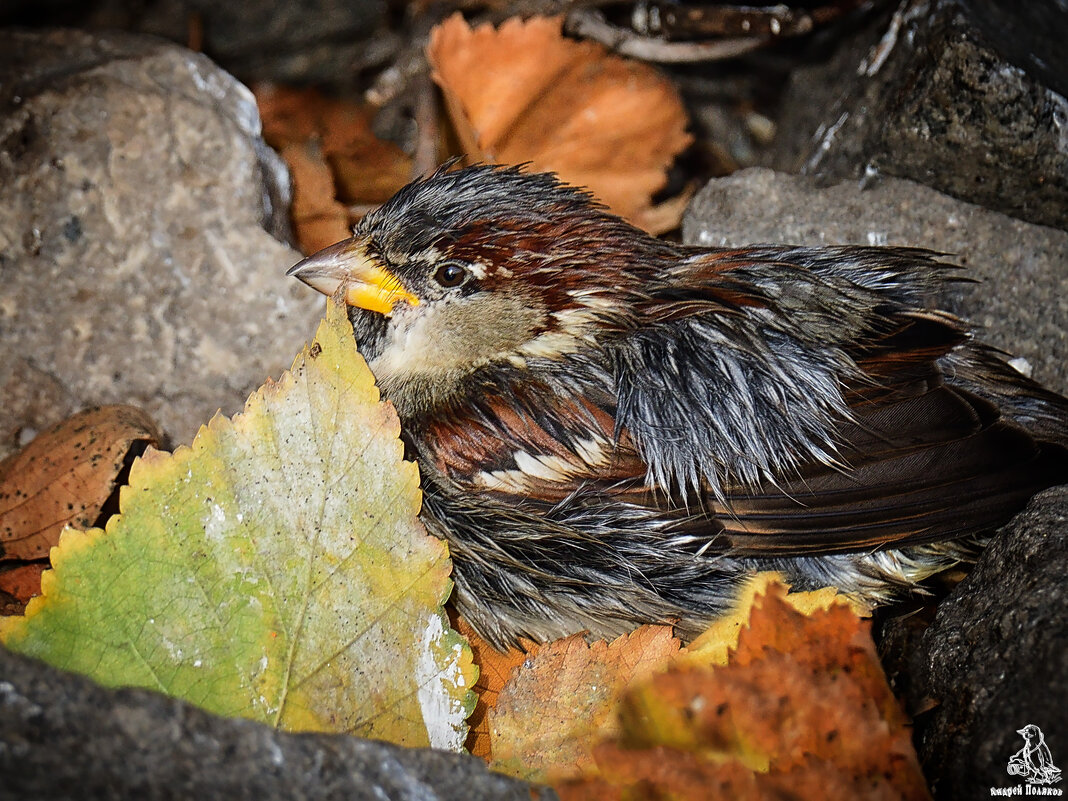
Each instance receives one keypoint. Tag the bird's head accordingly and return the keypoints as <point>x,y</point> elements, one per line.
<point>476,268</point>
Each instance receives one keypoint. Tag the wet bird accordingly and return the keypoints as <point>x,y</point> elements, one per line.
<point>614,429</point>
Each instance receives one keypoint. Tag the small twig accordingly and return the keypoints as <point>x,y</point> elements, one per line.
<point>674,20</point>
<point>194,26</point>
<point>391,83</point>
<point>680,21</point>
<point>592,25</point>
<point>426,113</point>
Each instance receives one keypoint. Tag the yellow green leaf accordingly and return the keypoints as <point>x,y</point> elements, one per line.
<point>276,569</point>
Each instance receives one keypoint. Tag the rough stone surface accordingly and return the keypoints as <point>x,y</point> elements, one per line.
<point>325,41</point>
<point>1030,35</point>
<point>63,737</point>
<point>136,197</point>
<point>995,660</point>
<point>1021,302</point>
<point>925,95</point>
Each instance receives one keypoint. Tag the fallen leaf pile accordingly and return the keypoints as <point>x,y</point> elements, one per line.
<point>525,93</point>
<point>783,697</point>
<point>519,94</point>
<point>274,570</point>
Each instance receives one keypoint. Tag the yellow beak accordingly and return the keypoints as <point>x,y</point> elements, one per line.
<point>347,264</point>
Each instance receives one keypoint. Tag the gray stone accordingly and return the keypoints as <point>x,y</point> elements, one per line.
<point>136,196</point>
<point>1021,302</point>
<point>63,737</point>
<point>995,658</point>
<point>925,95</point>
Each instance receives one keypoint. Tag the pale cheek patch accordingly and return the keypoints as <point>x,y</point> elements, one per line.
<point>408,348</point>
<point>455,335</point>
<point>574,327</point>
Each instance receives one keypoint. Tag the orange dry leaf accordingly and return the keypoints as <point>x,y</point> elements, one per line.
<point>64,476</point>
<point>834,640</point>
<point>524,93</point>
<point>660,773</point>
<point>551,712</point>
<point>334,158</point>
<point>319,220</point>
<point>665,773</point>
<point>24,582</point>
<point>802,711</point>
<point>494,668</point>
<point>720,639</point>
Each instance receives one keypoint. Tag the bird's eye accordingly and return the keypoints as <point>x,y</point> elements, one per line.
<point>450,274</point>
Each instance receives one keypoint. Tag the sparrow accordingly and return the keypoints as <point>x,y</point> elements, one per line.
<point>614,429</point>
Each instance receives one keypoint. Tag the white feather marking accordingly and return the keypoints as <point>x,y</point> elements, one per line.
<point>592,451</point>
<point>551,344</point>
<point>593,298</point>
<point>478,268</point>
<point>550,468</point>
<point>513,481</point>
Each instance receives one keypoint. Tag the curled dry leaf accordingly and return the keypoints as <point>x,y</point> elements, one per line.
<point>64,476</point>
<point>334,158</point>
<point>524,93</point>
<point>318,218</point>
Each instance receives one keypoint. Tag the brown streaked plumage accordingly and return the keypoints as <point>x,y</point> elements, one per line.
<point>613,429</point>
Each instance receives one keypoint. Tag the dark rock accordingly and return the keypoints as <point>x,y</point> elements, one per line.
<point>1030,35</point>
<point>321,41</point>
<point>927,96</point>
<point>995,658</point>
<point>1022,300</point>
<point>137,266</point>
<point>63,737</point>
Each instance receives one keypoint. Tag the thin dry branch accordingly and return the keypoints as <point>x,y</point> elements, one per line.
<point>592,25</point>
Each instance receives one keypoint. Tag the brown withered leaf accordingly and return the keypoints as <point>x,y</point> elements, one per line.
<point>660,773</point>
<point>367,169</point>
<point>494,669</point>
<point>801,708</point>
<point>525,93</point>
<point>836,639</point>
<point>720,639</point>
<point>319,220</point>
<point>23,582</point>
<point>666,773</point>
<point>334,158</point>
<point>289,116</point>
<point>551,713</point>
<point>64,476</point>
